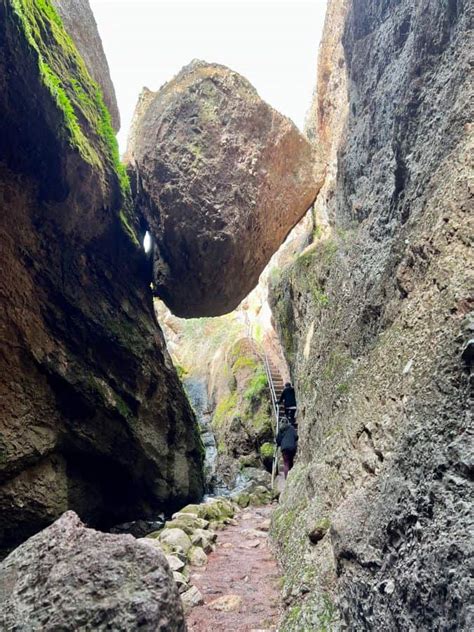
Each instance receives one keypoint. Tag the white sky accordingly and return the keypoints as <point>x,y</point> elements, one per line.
<point>273,43</point>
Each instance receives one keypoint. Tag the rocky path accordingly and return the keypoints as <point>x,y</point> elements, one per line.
<point>240,584</point>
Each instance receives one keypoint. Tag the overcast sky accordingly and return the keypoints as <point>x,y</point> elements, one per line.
<point>273,43</point>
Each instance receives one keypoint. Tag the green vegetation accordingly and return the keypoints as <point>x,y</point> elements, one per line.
<point>87,121</point>
<point>342,388</point>
<point>181,371</point>
<point>244,362</point>
<point>327,617</point>
<point>267,450</point>
<point>257,385</point>
<point>226,409</point>
<point>320,297</point>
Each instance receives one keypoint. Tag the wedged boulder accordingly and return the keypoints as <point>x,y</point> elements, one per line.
<point>68,577</point>
<point>79,22</point>
<point>221,180</point>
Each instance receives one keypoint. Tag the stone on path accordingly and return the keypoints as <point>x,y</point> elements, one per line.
<point>69,577</point>
<point>221,179</point>
<point>191,598</point>
<point>226,603</point>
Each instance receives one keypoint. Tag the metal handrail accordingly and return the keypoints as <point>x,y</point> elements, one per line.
<point>275,406</point>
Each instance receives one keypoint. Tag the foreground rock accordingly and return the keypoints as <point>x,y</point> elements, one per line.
<point>69,577</point>
<point>80,23</point>
<point>92,414</point>
<point>373,523</point>
<point>222,178</point>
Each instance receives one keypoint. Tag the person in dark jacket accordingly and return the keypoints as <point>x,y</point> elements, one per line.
<point>288,399</point>
<point>287,440</point>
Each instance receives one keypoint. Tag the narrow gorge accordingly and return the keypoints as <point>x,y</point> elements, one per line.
<point>139,387</point>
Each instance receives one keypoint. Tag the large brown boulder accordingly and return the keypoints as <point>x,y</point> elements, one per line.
<point>221,180</point>
<point>69,577</point>
<point>80,23</point>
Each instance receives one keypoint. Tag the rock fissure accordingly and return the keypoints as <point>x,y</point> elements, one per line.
<point>115,408</point>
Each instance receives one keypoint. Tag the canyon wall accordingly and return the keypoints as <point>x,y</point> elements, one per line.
<point>92,414</point>
<point>374,316</point>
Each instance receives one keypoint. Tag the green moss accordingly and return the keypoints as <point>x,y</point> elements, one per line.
<point>324,524</point>
<point>180,370</point>
<point>257,385</point>
<point>226,409</point>
<point>267,450</point>
<point>342,388</point>
<point>244,362</point>
<point>320,297</point>
<point>328,616</point>
<point>87,121</point>
<point>125,221</point>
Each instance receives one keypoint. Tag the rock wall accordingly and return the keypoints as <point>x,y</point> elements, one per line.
<point>374,316</point>
<point>80,23</point>
<point>92,414</point>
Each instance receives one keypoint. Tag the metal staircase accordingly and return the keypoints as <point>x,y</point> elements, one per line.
<point>275,383</point>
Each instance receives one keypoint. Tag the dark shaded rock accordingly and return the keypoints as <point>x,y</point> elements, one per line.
<point>92,414</point>
<point>80,23</point>
<point>138,528</point>
<point>69,577</point>
<point>222,178</point>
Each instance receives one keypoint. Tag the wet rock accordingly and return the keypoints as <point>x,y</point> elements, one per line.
<point>222,179</point>
<point>68,577</point>
<point>79,21</point>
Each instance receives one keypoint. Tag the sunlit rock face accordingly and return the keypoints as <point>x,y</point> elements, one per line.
<point>221,179</point>
<point>80,23</point>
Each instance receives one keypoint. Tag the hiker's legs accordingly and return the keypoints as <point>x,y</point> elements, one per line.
<point>286,462</point>
<point>291,458</point>
<point>288,458</point>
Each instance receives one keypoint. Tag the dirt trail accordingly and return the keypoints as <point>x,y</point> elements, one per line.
<point>242,576</point>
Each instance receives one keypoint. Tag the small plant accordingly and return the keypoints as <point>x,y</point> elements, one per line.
<point>267,450</point>
<point>320,297</point>
<point>257,385</point>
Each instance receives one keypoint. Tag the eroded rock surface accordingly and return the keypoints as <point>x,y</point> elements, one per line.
<point>92,414</point>
<point>69,577</point>
<point>221,179</point>
<point>80,23</point>
<point>372,527</point>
